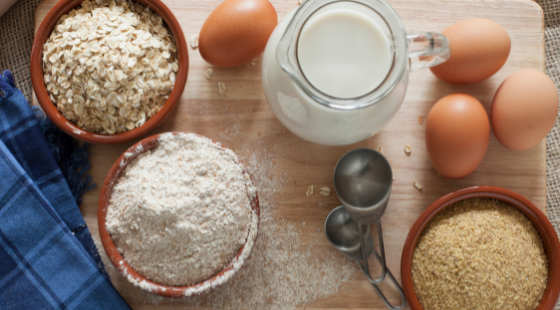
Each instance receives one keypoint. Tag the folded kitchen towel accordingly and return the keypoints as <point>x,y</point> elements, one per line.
<point>22,135</point>
<point>72,159</point>
<point>47,256</point>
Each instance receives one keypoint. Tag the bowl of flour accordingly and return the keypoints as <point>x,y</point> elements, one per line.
<point>178,214</point>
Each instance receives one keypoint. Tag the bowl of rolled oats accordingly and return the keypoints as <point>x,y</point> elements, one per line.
<point>109,71</point>
<point>482,247</point>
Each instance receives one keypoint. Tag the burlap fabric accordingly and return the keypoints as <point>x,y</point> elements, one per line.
<point>16,38</point>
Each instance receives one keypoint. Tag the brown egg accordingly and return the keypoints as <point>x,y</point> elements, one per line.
<point>236,32</point>
<point>524,109</point>
<point>457,134</point>
<point>479,48</point>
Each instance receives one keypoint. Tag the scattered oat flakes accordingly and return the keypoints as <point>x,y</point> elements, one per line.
<point>109,66</point>
<point>208,73</point>
<point>407,149</point>
<point>222,88</point>
<point>380,149</point>
<point>300,2</point>
<point>309,191</point>
<point>194,41</point>
<point>325,191</point>
<point>418,186</point>
<point>253,62</point>
<point>420,120</point>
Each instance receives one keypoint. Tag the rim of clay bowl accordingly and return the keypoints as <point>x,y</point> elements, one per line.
<point>120,263</point>
<point>50,109</point>
<point>536,216</point>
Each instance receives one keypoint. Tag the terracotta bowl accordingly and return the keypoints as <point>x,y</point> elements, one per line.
<point>59,120</point>
<point>539,220</point>
<point>124,268</point>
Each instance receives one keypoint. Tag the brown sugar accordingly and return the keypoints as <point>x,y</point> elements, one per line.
<point>480,253</point>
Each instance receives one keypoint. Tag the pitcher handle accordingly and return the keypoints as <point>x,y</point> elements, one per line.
<point>427,49</point>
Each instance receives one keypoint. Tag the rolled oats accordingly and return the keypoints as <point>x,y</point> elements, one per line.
<point>194,41</point>
<point>325,191</point>
<point>222,88</point>
<point>309,192</point>
<point>110,65</point>
<point>407,149</point>
<point>208,73</point>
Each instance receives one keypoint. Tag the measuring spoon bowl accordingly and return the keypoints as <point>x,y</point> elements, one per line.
<point>344,234</point>
<point>362,180</point>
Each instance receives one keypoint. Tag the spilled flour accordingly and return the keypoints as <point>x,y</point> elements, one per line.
<point>281,273</point>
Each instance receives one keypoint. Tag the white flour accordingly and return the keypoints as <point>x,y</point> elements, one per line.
<point>284,272</point>
<point>180,212</point>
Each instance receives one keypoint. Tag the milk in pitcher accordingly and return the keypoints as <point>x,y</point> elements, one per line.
<point>343,52</point>
<point>335,71</point>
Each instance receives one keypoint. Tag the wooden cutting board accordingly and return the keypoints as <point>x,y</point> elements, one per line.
<point>244,122</point>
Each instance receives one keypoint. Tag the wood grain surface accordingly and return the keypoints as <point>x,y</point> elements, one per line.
<point>243,121</point>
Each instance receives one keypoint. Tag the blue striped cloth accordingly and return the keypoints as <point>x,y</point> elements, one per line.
<point>47,257</point>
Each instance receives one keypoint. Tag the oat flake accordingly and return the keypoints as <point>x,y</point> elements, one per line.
<point>222,88</point>
<point>208,73</point>
<point>309,191</point>
<point>407,149</point>
<point>194,42</point>
<point>325,191</point>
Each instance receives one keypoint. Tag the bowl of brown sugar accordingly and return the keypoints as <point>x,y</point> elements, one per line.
<point>482,247</point>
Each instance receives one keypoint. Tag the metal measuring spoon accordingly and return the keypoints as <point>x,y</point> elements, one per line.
<point>343,233</point>
<point>362,180</point>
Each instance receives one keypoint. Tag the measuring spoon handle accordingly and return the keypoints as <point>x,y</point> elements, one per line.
<point>384,299</point>
<point>403,304</point>
<point>385,271</point>
<point>380,293</point>
<point>368,248</point>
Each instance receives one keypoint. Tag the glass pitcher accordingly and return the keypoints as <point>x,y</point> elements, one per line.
<point>330,120</point>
